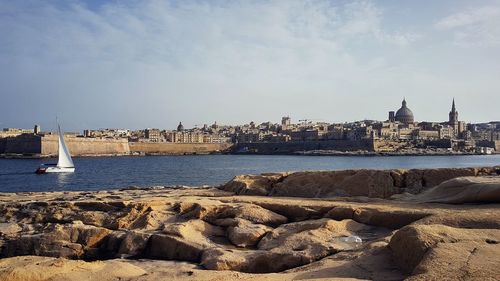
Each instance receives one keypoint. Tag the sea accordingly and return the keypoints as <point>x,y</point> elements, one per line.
<point>101,173</point>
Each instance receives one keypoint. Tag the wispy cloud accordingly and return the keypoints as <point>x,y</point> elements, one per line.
<point>473,27</point>
<point>186,59</point>
<point>364,19</point>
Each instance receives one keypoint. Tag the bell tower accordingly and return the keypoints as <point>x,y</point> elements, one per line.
<point>453,117</point>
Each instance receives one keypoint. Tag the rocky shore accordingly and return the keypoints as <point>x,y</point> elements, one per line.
<point>430,224</point>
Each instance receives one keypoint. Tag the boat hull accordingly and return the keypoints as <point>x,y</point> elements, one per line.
<point>59,170</point>
<point>47,170</point>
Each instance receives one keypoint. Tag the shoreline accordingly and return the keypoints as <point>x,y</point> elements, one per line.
<point>350,154</point>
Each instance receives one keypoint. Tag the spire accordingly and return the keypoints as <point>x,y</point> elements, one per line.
<point>453,106</point>
<point>404,102</point>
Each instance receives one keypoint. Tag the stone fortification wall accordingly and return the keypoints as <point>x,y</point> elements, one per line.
<point>79,146</point>
<point>2,145</point>
<point>23,144</point>
<point>177,148</point>
<point>441,143</point>
<point>291,147</point>
<point>370,183</point>
<point>382,145</point>
<point>85,146</point>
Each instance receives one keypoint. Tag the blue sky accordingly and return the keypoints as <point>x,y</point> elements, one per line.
<point>139,64</point>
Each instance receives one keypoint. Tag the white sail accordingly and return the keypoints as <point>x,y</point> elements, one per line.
<point>64,156</point>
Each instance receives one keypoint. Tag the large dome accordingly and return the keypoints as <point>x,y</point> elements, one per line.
<point>404,114</point>
<point>180,128</point>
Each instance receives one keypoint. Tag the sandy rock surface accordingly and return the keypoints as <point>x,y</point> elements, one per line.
<point>214,234</point>
<point>369,183</point>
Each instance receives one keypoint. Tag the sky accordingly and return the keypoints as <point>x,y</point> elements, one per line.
<point>151,64</point>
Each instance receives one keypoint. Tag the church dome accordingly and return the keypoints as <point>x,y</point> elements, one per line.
<point>404,114</point>
<point>180,127</point>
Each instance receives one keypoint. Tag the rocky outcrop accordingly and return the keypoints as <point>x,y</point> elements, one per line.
<point>348,183</point>
<point>462,190</point>
<point>434,251</point>
<point>294,238</point>
<point>74,240</point>
<point>392,218</point>
<point>253,184</point>
<point>244,233</point>
<point>370,183</point>
<point>288,246</point>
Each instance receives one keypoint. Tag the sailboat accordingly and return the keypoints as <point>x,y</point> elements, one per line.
<point>64,162</point>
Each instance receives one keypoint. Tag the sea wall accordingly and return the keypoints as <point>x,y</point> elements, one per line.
<point>85,146</point>
<point>369,183</point>
<point>177,148</point>
<point>292,147</point>
<point>2,145</point>
<point>23,144</point>
<point>44,146</point>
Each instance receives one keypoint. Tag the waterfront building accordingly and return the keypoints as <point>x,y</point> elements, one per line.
<point>362,132</point>
<point>335,132</point>
<point>446,132</point>
<point>286,122</point>
<point>14,132</point>
<point>106,133</point>
<point>389,130</point>
<point>405,133</point>
<point>152,135</point>
<point>427,134</point>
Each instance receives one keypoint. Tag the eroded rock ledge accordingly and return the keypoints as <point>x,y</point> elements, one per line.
<point>149,232</point>
<point>369,183</point>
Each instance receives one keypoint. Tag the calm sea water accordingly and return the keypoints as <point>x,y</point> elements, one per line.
<point>119,172</point>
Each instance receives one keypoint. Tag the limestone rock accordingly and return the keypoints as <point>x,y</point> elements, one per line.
<point>9,229</point>
<point>175,248</point>
<point>288,246</point>
<point>56,240</point>
<point>42,245</point>
<point>433,177</point>
<point>223,259</point>
<point>133,244</point>
<point>459,261</point>
<point>206,212</point>
<point>253,184</point>
<point>296,212</point>
<point>301,235</point>
<point>193,229</point>
<point>418,180</point>
<point>183,241</point>
<point>45,268</point>
<point>398,177</point>
<point>390,217</point>
<point>310,184</point>
<point>386,217</point>
<point>253,213</point>
<point>411,244</point>
<point>463,190</point>
<point>246,234</point>
<point>370,183</point>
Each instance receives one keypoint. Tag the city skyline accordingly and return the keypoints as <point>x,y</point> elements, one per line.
<point>154,63</point>
<point>295,120</point>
